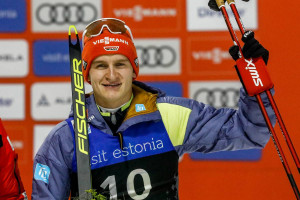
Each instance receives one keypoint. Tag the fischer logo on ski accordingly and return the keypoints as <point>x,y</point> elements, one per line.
<point>80,106</point>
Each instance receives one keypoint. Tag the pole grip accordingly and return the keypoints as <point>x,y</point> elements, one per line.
<point>230,1</point>
<point>220,3</point>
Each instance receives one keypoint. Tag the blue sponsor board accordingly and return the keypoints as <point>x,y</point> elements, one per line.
<point>51,58</point>
<point>170,88</point>
<point>12,16</point>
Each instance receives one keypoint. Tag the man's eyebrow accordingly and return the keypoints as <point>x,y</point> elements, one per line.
<point>101,61</point>
<point>122,60</point>
<point>98,61</point>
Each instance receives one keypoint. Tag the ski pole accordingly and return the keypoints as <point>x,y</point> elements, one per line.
<point>255,91</point>
<point>270,97</point>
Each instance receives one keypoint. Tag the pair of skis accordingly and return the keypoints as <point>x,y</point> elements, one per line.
<point>255,79</point>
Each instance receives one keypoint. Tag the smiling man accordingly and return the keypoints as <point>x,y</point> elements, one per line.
<point>136,132</point>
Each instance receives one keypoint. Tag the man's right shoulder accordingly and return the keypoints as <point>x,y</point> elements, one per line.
<point>59,137</point>
<point>60,130</point>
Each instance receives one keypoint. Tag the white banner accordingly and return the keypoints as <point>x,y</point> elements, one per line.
<point>58,15</point>
<point>201,18</point>
<point>13,58</point>
<point>52,101</point>
<point>159,56</point>
<point>218,94</point>
<point>12,101</point>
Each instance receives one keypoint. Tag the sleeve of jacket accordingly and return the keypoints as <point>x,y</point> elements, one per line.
<point>11,186</point>
<point>209,130</point>
<point>52,165</point>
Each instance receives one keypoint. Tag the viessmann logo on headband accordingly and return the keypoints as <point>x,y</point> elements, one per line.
<point>111,48</point>
<point>107,40</point>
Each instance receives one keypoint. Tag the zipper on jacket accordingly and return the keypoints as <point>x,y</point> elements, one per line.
<point>121,141</point>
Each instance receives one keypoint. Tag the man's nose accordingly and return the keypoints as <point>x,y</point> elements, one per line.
<point>111,74</point>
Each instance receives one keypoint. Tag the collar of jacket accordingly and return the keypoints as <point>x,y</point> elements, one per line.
<point>122,108</point>
<point>133,116</point>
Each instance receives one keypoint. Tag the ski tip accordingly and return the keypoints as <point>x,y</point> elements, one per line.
<point>70,28</point>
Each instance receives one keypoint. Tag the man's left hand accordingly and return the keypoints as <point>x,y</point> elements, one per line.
<point>251,49</point>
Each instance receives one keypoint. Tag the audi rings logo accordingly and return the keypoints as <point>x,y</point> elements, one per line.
<point>158,56</point>
<point>218,97</point>
<point>62,13</point>
<point>153,56</point>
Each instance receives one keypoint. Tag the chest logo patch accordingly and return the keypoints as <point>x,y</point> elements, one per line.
<point>139,107</point>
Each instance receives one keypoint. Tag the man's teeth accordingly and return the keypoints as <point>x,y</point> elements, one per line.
<point>111,84</point>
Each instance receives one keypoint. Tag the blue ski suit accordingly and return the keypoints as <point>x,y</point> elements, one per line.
<point>141,161</point>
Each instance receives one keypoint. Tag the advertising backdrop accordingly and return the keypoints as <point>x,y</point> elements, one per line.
<point>183,49</point>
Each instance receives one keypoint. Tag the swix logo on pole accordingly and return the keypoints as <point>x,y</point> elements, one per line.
<point>253,71</point>
<point>254,75</point>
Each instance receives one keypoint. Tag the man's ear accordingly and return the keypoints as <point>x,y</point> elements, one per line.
<point>133,75</point>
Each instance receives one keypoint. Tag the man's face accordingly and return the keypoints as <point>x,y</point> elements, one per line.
<point>111,79</point>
